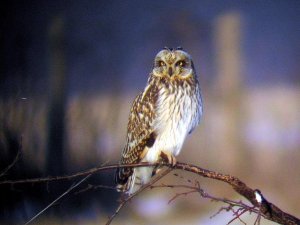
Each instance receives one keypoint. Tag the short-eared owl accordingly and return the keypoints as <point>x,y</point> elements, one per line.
<point>161,116</point>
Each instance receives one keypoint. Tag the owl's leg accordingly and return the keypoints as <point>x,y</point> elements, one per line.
<point>168,157</point>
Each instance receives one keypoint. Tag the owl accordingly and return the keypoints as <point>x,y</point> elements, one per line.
<point>161,117</point>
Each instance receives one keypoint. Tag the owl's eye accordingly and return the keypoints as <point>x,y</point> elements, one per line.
<point>181,63</point>
<point>161,63</point>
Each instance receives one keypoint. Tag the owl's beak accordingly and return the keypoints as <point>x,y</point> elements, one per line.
<point>170,71</point>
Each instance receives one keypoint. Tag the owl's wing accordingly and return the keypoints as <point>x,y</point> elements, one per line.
<point>140,131</point>
<point>140,134</point>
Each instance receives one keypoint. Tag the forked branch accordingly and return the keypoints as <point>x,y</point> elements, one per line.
<point>261,206</point>
<point>266,208</point>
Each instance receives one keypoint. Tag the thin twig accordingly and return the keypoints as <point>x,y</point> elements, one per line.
<point>177,195</point>
<point>57,199</point>
<point>94,187</point>
<point>242,207</point>
<point>266,208</point>
<point>257,221</point>
<point>237,215</point>
<point>14,161</point>
<point>76,175</point>
<point>123,202</point>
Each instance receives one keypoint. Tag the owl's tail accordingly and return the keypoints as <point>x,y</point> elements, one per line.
<point>122,178</point>
<point>129,180</point>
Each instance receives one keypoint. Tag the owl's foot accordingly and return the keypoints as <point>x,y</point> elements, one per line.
<point>168,158</point>
<point>156,170</point>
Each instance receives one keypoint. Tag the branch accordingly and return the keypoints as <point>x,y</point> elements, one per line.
<point>195,188</point>
<point>266,209</point>
<point>57,199</point>
<point>75,175</point>
<point>124,201</point>
<point>3,173</point>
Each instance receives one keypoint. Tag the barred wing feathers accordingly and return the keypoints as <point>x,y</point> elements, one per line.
<point>140,133</point>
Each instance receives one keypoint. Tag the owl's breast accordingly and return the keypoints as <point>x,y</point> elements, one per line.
<point>175,117</point>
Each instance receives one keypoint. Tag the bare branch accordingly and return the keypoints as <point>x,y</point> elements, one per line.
<point>57,199</point>
<point>94,187</point>
<point>75,175</point>
<point>123,202</point>
<point>267,209</point>
<point>3,173</point>
<point>237,215</point>
<point>241,207</point>
<point>263,208</point>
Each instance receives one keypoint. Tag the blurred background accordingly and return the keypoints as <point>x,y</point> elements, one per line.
<point>71,69</point>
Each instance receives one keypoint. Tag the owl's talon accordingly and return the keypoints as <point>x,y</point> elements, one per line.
<point>168,158</point>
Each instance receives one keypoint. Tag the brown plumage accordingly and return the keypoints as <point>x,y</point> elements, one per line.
<point>160,118</point>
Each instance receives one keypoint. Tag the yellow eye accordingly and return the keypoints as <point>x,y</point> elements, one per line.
<point>181,63</point>
<point>161,63</point>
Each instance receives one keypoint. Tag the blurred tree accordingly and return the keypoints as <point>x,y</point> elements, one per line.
<point>56,114</point>
<point>229,89</point>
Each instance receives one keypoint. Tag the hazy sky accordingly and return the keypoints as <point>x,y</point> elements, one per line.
<point>109,42</point>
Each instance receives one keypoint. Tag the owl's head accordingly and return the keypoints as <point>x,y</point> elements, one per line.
<point>173,63</point>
